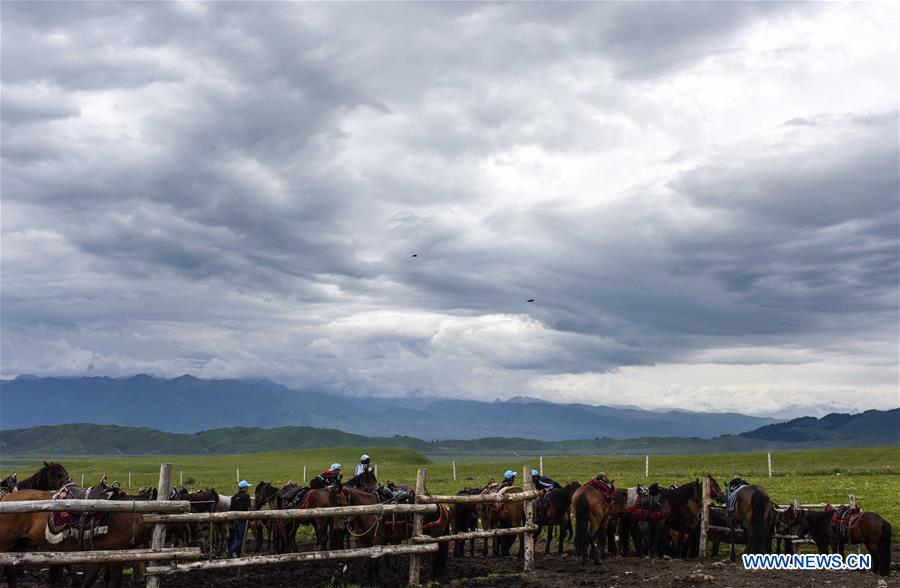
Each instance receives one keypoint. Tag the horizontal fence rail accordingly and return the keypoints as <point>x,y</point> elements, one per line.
<point>479,498</point>
<point>306,513</point>
<point>475,534</point>
<point>104,556</point>
<point>77,505</point>
<point>257,560</point>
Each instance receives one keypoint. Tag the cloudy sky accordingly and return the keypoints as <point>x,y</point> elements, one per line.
<point>702,198</point>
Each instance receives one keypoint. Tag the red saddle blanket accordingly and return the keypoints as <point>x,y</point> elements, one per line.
<point>846,519</point>
<point>605,490</point>
<point>80,525</point>
<point>642,514</point>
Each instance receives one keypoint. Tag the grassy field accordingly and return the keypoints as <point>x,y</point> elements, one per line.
<point>819,475</point>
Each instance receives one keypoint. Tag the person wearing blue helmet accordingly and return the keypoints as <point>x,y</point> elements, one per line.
<point>239,502</point>
<point>330,477</point>
<point>509,478</point>
<point>543,482</point>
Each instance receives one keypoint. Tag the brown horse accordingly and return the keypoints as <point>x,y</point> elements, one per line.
<point>464,517</point>
<point>752,511</point>
<point>52,476</point>
<point>875,532</point>
<point>371,530</point>
<point>555,509</point>
<point>329,531</point>
<point>265,494</point>
<point>124,531</point>
<point>592,517</point>
<point>504,515</point>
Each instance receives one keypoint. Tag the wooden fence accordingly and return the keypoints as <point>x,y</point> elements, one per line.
<point>88,557</point>
<point>172,560</point>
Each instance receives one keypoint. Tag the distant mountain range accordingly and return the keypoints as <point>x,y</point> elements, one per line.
<point>187,405</point>
<point>836,430</point>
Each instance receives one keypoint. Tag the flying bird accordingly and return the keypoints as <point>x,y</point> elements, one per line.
<point>415,255</point>
<point>530,300</point>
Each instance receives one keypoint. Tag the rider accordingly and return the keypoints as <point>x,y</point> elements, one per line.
<point>509,478</point>
<point>543,482</point>
<point>363,464</point>
<point>330,477</point>
<point>601,477</point>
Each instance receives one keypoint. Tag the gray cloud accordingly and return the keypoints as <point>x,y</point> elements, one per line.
<point>238,189</point>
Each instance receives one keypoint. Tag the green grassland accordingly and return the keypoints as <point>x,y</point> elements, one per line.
<point>816,475</point>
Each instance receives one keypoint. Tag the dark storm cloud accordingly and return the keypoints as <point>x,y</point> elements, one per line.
<point>238,189</point>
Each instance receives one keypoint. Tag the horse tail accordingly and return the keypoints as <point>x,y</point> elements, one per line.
<point>883,565</point>
<point>758,502</point>
<point>582,540</point>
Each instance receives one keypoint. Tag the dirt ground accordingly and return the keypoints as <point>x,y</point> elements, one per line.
<point>550,572</point>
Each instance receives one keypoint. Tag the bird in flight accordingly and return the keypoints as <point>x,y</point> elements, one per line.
<point>530,300</point>
<point>415,255</point>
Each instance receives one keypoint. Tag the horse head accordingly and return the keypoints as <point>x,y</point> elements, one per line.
<point>715,490</point>
<point>55,475</point>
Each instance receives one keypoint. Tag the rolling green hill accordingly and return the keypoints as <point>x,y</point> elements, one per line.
<point>90,439</point>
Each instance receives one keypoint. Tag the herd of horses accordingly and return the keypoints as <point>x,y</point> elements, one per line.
<point>655,521</point>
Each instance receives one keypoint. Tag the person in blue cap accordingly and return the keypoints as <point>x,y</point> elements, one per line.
<point>330,477</point>
<point>509,478</point>
<point>543,482</point>
<point>239,502</point>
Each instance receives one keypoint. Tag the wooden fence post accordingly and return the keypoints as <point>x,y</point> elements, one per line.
<point>454,471</point>
<point>129,479</point>
<point>540,468</point>
<point>158,541</point>
<point>304,473</point>
<point>852,498</point>
<point>770,464</point>
<point>181,477</point>
<point>704,517</point>
<point>237,474</point>
<point>82,480</point>
<point>796,504</point>
<point>646,466</point>
<point>375,469</point>
<point>528,537</point>
<point>415,561</point>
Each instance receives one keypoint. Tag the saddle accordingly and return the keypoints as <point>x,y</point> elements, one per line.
<point>845,520</point>
<point>731,492</point>
<point>81,525</point>
<point>643,503</point>
<point>606,490</point>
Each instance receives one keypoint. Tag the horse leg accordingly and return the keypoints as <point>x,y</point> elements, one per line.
<point>549,537</point>
<point>731,539</point>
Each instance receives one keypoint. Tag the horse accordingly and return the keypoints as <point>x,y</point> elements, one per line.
<point>52,476</point>
<point>465,518</point>
<point>753,511</point>
<point>371,530</point>
<point>874,531</point>
<point>718,517</point>
<point>592,516</point>
<point>636,512</point>
<point>679,519</point>
<point>329,531</point>
<point>364,481</point>
<point>815,523</point>
<point>124,530</point>
<point>504,515</point>
<point>264,495</point>
<point>554,508</point>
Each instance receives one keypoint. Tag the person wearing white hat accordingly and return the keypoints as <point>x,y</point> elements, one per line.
<point>239,502</point>
<point>543,482</point>
<point>363,464</point>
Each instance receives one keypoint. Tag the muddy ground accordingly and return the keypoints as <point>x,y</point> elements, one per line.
<point>550,572</point>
